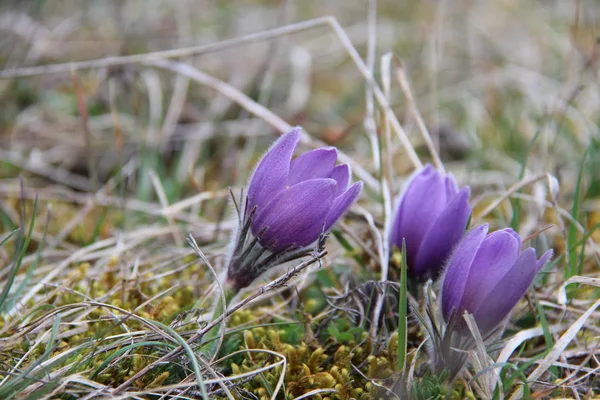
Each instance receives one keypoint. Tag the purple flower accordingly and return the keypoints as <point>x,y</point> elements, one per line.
<point>487,276</point>
<point>290,204</point>
<point>431,217</point>
<point>298,200</point>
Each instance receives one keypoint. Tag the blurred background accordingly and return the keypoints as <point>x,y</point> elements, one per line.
<point>506,89</point>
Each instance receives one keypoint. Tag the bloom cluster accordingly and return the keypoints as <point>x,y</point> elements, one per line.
<point>485,276</point>
<point>292,203</point>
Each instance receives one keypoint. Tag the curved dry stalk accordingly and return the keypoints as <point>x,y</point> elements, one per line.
<point>222,296</point>
<point>403,80</point>
<point>173,53</point>
<point>519,185</point>
<point>255,108</point>
<point>270,286</point>
<point>557,349</point>
<point>155,58</point>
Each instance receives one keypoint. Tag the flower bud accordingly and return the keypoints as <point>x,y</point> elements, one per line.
<point>487,275</point>
<point>290,205</point>
<point>431,217</point>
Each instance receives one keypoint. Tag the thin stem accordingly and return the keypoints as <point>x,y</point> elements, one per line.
<point>219,311</point>
<point>402,310</point>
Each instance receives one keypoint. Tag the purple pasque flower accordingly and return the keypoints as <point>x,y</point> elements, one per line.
<point>290,204</point>
<point>296,201</point>
<point>431,217</point>
<point>487,275</point>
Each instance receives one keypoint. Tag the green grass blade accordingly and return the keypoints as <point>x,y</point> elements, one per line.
<point>516,203</point>
<point>573,268</point>
<point>20,254</point>
<point>100,222</point>
<point>190,353</point>
<point>10,235</point>
<point>14,387</point>
<point>32,267</point>
<point>124,350</point>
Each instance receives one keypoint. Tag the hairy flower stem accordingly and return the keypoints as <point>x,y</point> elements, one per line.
<point>211,338</point>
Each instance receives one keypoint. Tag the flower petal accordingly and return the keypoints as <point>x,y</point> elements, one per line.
<point>516,236</point>
<point>420,205</point>
<point>506,293</point>
<point>296,216</point>
<point>544,259</point>
<point>271,174</point>
<point>451,186</point>
<point>458,269</point>
<point>442,236</point>
<point>342,203</point>
<point>341,174</point>
<point>313,164</point>
<point>494,260</point>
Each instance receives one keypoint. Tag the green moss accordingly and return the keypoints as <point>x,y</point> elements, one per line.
<point>314,366</point>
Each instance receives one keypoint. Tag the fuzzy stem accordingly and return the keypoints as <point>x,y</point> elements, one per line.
<point>211,338</point>
<point>402,312</point>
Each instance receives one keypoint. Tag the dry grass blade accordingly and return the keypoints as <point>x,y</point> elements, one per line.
<point>403,80</point>
<point>160,191</point>
<point>486,380</point>
<point>558,348</point>
<point>222,303</point>
<point>264,289</point>
<point>174,53</point>
<point>252,107</point>
<point>152,59</point>
<point>562,292</point>
<point>517,186</point>
<point>521,337</point>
